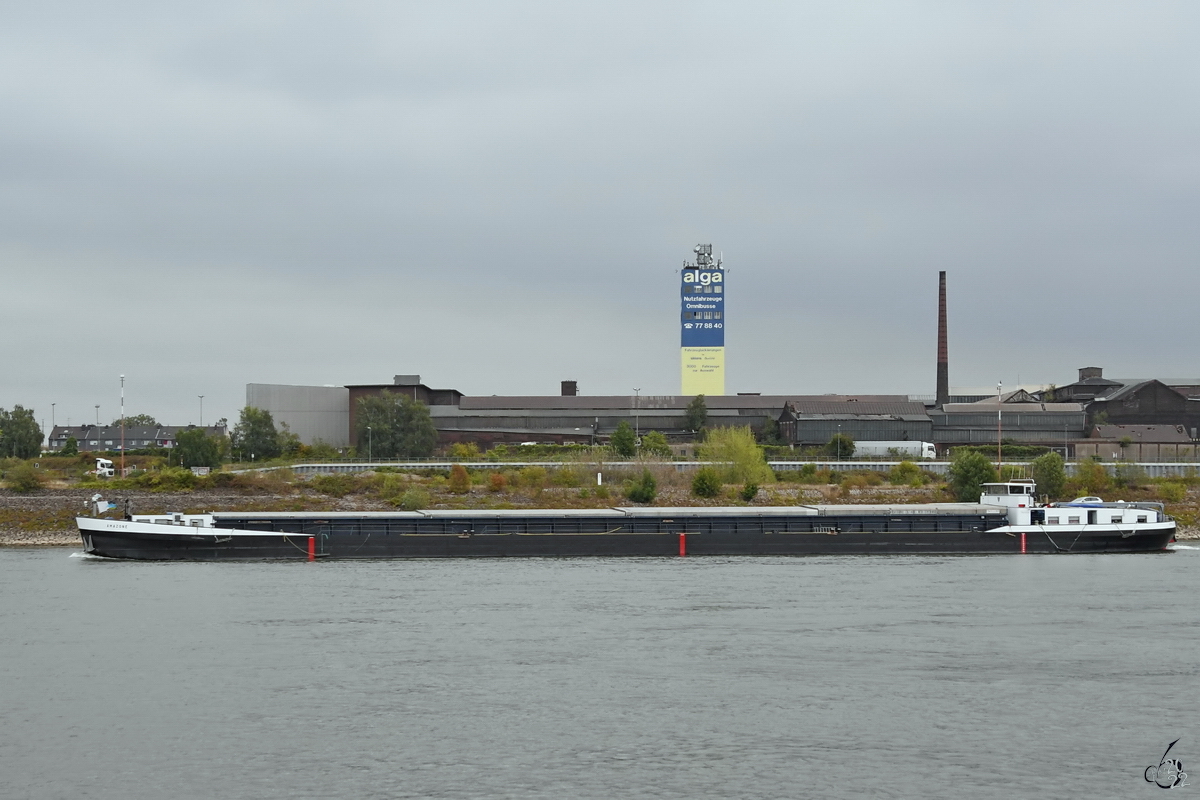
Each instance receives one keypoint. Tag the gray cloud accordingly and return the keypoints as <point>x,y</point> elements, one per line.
<point>497,196</point>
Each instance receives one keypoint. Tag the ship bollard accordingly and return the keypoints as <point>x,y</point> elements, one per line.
<point>312,548</point>
<point>682,544</point>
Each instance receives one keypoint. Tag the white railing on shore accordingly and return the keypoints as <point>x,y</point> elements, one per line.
<point>1150,470</point>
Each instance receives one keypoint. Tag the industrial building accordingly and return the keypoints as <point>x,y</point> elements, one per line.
<point>1047,416</point>
<point>879,418</point>
<point>111,437</point>
<point>1022,422</point>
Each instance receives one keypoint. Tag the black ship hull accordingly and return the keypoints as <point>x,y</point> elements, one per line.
<point>296,537</point>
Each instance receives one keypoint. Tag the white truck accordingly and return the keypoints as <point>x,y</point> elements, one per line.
<point>104,468</point>
<point>890,450</point>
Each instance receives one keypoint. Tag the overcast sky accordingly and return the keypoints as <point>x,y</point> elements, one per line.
<point>498,196</point>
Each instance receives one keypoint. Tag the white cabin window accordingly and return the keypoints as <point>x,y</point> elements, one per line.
<point>1072,520</point>
<point>1141,517</point>
<point>1117,518</point>
<point>1051,520</point>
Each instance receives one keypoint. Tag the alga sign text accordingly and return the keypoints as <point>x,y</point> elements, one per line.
<point>702,325</point>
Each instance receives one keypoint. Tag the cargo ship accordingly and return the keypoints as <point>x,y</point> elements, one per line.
<point>1007,520</point>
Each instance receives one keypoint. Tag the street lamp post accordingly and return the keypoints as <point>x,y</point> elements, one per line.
<point>369,443</point>
<point>839,443</point>
<point>637,402</point>
<point>53,423</point>
<point>201,409</point>
<point>122,426</point>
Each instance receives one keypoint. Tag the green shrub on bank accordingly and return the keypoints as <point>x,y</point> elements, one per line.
<point>748,492</point>
<point>338,484</point>
<point>413,500</point>
<point>968,472</point>
<point>1171,492</point>
<point>707,482</point>
<point>24,478</point>
<point>736,454</point>
<point>906,473</point>
<point>1091,478</point>
<point>172,479</point>
<point>568,477</point>
<point>643,489</point>
<point>533,477</point>
<point>1128,476</point>
<point>1017,452</point>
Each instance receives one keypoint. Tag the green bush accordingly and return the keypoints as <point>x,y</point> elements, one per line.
<point>749,492</point>
<point>643,489</point>
<point>337,485</point>
<point>1128,476</point>
<point>655,444</point>
<point>1091,477</point>
<point>623,441</point>
<point>533,477</point>
<point>320,450</point>
<point>23,478</point>
<point>413,500</point>
<point>1049,475</point>
<point>389,485</point>
<point>468,451</point>
<point>739,457</point>
<point>906,473</point>
<point>567,477</point>
<point>707,483</point>
<point>840,446</point>
<point>171,479</point>
<point>1009,472</point>
<point>497,482</point>
<point>1010,450</point>
<point>1171,492</point>
<point>968,472</point>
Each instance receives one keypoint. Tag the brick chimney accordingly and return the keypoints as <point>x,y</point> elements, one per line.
<point>943,358</point>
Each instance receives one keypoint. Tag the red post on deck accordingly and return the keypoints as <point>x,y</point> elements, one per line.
<point>312,548</point>
<point>683,544</point>
<point>1022,543</point>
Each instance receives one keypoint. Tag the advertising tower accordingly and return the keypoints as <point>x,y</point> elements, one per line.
<point>702,324</point>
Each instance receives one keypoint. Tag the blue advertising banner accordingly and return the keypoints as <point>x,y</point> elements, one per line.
<point>702,312</point>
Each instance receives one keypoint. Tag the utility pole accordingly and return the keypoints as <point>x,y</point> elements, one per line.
<point>201,409</point>
<point>122,426</point>
<point>999,431</point>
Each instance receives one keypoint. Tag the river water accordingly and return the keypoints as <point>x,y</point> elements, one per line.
<point>904,677</point>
